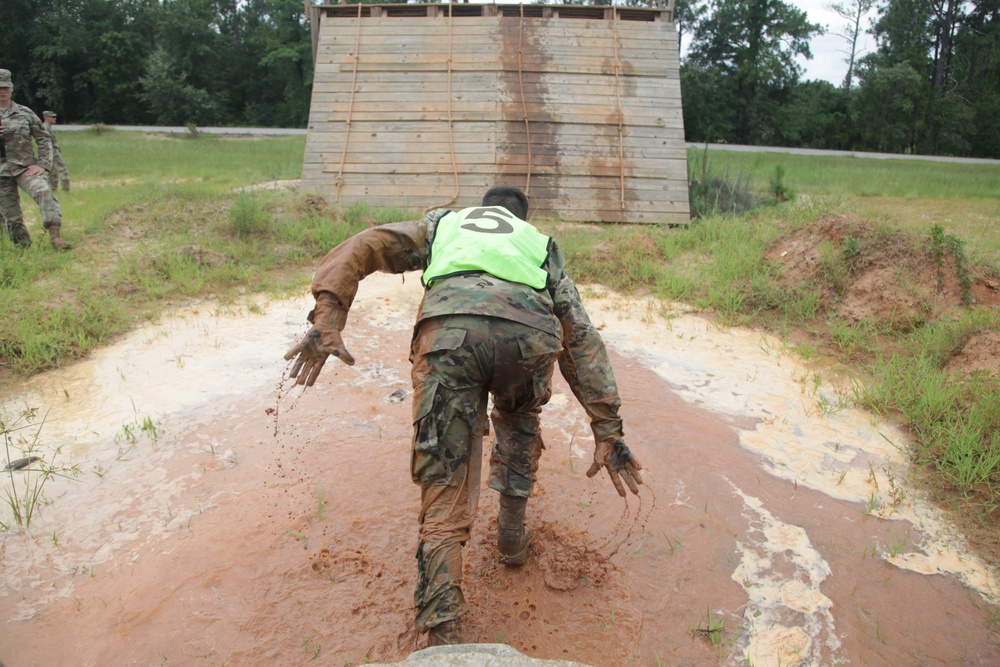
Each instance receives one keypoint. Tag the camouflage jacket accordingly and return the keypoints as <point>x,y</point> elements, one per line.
<point>557,309</point>
<point>20,125</point>
<point>55,142</point>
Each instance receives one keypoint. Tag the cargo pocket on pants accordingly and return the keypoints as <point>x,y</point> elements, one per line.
<point>425,457</point>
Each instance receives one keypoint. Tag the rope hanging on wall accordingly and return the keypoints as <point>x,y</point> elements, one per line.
<point>621,129</point>
<point>451,129</point>
<point>350,106</point>
<point>524,103</point>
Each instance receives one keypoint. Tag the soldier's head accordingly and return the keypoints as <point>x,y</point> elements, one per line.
<point>49,116</point>
<point>510,198</point>
<point>6,87</point>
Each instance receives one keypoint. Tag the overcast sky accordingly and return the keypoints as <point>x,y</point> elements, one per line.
<point>829,50</point>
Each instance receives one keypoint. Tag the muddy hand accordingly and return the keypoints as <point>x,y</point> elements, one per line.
<point>616,457</point>
<point>312,352</point>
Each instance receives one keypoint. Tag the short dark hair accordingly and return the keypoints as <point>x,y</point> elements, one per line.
<point>510,198</point>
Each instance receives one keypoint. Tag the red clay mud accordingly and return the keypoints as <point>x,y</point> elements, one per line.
<point>270,526</point>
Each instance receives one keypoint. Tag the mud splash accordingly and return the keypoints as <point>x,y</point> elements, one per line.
<point>222,516</point>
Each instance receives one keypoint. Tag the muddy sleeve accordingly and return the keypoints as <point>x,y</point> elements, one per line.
<point>584,360</point>
<point>43,139</point>
<point>393,248</point>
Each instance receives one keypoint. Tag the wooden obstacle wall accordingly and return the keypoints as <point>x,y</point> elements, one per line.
<point>427,105</point>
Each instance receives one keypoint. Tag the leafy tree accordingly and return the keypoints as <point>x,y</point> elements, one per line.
<point>977,71</point>
<point>816,114</point>
<point>279,50</point>
<point>754,43</point>
<point>171,100</point>
<point>709,114</point>
<point>687,14</point>
<point>888,106</point>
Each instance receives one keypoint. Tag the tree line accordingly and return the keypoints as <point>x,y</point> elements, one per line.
<point>161,62</point>
<point>931,85</point>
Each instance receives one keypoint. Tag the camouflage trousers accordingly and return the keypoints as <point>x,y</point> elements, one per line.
<point>59,174</point>
<point>37,187</point>
<point>458,361</point>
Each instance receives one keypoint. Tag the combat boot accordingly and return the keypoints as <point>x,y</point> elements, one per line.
<point>449,632</point>
<point>57,241</point>
<point>512,538</point>
<point>19,235</point>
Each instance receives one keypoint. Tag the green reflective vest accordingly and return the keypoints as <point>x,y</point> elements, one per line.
<point>489,239</point>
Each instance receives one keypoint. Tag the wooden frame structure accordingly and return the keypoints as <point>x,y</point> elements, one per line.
<point>424,105</point>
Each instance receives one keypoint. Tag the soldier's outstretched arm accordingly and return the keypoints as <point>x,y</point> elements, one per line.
<point>585,365</point>
<point>393,248</point>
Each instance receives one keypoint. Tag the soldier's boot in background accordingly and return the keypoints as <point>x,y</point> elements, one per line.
<point>512,538</point>
<point>449,632</point>
<point>19,235</point>
<point>57,242</point>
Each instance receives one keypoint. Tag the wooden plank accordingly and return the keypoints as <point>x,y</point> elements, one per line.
<point>562,152</point>
<point>560,29</point>
<point>435,131</point>
<point>575,188</point>
<point>635,153</point>
<point>580,59</point>
<point>337,113</point>
<point>441,196</point>
<point>651,175</point>
<point>511,131</point>
<point>460,104</point>
<point>493,41</point>
<point>532,94</point>
<point>563,28</point>
<point>417,80</point>
<point>668,120</point>
<point>323,70</point>
<point>461,100</point>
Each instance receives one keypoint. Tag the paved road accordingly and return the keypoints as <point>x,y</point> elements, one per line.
<point>250,131</point>
<point>277,131</point>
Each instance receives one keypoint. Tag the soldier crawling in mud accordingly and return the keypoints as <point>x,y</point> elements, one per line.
<point>20,168</point>
<point>498,310</point>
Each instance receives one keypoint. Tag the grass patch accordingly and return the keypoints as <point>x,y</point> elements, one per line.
<point>155,220</point>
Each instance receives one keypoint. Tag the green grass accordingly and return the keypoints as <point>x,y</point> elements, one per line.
<point>158,219</point>
<point>863,177</point>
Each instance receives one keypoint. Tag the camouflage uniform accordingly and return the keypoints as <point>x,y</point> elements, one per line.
<point>60,173</point>
<point>20,126</point>
<point>476,335</point>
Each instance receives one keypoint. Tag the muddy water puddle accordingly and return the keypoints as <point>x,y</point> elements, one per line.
<point>221,516</point>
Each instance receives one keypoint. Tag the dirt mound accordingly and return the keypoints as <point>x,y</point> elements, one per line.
<point>863,272</point>
<point>981,354</point>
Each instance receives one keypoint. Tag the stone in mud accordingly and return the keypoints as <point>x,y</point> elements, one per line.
<point>481,655</point>
<point>18,464</point>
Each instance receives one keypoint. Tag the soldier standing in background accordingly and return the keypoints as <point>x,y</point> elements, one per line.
<point>498,311</point>
<point>20,168</point>
<point>59,173</point>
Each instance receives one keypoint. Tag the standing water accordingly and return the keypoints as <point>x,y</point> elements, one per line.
<point>223,515</point>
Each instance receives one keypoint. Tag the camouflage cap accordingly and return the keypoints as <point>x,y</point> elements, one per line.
<point>51,114</point>
<point>5,79</point>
